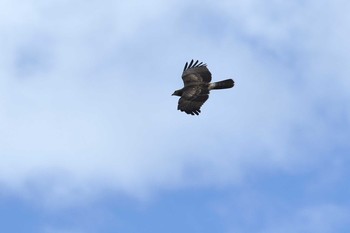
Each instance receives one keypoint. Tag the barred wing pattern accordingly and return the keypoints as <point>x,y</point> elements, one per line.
<point>196,78</point>
<point>195,73</point>
<point>192,100</point>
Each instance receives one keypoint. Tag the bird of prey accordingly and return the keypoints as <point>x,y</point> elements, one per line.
<point>196,78</point>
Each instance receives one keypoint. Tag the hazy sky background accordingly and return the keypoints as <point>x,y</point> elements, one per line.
<point>91,141</point>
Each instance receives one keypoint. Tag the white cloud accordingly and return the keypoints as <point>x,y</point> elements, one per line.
<point>85,95</point>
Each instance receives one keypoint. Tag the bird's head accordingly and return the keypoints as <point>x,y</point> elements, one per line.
<point>177,93</point>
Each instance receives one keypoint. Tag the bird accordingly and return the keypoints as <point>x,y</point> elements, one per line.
<point>197,85</point>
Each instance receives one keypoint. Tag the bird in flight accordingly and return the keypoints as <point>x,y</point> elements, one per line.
<point>196,78</point>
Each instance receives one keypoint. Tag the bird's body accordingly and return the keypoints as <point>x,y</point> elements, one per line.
<point>197,84</point>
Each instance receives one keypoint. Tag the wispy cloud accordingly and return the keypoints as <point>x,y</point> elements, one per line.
<point>86,106</point>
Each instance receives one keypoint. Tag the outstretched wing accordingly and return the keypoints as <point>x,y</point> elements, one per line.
<point>192,99</point>
<point>195,73</point>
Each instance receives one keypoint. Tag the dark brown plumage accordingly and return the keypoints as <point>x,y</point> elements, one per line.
<point>196,78</point>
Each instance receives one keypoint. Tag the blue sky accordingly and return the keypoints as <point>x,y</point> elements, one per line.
<point>91,141</point>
